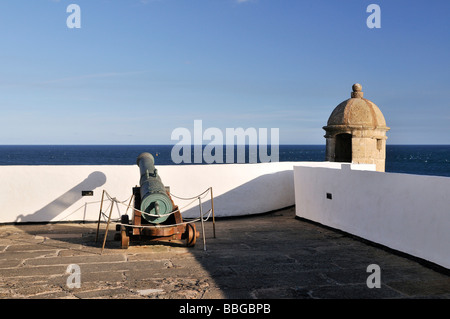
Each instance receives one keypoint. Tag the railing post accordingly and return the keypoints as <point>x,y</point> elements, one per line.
<point>212,208</point>
<point>99,215</point>
<point>107,225</point>
<point>203,225</point>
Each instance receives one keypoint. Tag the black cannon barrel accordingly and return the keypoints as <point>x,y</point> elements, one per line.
<point>154,198</point>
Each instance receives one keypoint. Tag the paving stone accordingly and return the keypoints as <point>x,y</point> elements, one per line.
<point>23,255</point>
<point>86,259</point>
<point>33,271</point>
<point>431,288</point>
<point>117,292</point>
<point>359,291</point>
<point>27,247</point>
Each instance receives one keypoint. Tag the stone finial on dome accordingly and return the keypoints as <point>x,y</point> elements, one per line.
<point>357,93</point>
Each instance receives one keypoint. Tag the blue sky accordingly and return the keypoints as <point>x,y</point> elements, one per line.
<point>138,69</point>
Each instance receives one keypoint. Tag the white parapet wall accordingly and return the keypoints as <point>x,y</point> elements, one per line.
<point>53,193</point>
<point>408,213</point>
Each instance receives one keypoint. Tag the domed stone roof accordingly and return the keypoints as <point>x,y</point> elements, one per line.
<point>357,112</point>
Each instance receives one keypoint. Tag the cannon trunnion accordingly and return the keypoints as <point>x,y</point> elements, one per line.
<point>155,215</point>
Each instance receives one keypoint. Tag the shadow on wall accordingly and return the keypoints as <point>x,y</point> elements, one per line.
<point>57,206</point>
<point>260,195</point>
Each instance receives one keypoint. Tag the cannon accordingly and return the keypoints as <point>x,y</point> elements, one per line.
<point>155,201</point>
<point>155,215</point>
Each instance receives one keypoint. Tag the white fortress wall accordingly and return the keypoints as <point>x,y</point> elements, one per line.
<point>53,193</point>
<point>409,213</point>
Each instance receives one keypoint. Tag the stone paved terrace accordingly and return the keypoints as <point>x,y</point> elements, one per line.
<point>270,256</point>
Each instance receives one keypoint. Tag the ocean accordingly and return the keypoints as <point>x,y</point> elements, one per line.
<point>409,159</point>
